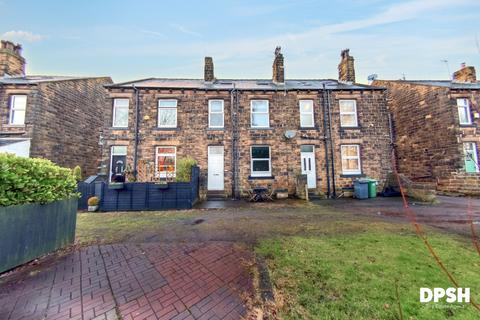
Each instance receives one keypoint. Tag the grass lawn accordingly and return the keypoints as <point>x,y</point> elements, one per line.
<point>353,274</point>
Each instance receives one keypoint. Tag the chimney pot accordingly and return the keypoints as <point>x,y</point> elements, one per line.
<point>209,75</point>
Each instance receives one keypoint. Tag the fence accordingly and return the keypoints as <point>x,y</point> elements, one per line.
<point>137,196</point>
<point>31,230</point>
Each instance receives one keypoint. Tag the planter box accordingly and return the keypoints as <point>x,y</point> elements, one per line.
<point>31,230</point>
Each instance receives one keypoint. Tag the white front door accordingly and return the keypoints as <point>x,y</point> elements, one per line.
<point>215,168</point>
<point>307,154</point>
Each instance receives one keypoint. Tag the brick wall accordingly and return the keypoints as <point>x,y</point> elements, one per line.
<point>428,137</point>
<point>11,61</point>
<point>192,137</point>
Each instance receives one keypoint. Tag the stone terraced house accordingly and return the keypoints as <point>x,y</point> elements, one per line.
<point>54,117</point>
<point>436,130</point>
<point>247,133</point>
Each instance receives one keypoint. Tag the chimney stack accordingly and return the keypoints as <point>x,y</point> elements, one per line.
<point>346,67</point>
<point>208,72</point>
<point>11,61</point>
<point>278,68</point>
<point>465,74</point>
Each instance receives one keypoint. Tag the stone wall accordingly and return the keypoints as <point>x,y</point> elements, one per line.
<point>428,137</point>
<point>192,137</point>
<point>63,119</point>
<point>11,61</point>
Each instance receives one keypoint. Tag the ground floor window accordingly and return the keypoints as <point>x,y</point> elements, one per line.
<point>260,161</point>
<point>118,162</point>
<point>165,162</point>
<point>351,159</point>
<point>471,160</point>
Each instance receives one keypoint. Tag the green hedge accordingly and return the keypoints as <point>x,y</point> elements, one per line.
<point>27,180</point>
<point>184,169</point>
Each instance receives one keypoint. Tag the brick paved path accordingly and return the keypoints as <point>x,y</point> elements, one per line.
<point>128,281</point>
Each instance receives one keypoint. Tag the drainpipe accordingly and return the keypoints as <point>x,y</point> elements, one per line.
<point>329,110</point>
<point>137,121</point>
<point>325,142</point>
<point>233,116</point>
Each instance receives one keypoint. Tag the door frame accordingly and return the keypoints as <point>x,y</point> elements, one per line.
<point>223,167</point>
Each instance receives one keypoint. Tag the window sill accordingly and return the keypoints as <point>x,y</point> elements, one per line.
<point>353,175</point>
<point>261,178</point>
<point>261,128</point>
<point>215,129</point>
<point>9,125</point>
<point>350,128</point>
<point>119,128</point>
<point>307,128</point>
<point>166,129</point>
<point>471,125</point>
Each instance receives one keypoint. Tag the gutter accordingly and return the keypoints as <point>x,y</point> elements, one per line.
<point>233,116</point>
<point>137,121</point>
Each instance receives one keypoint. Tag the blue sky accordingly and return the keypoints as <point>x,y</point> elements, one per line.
<point>138,39</point>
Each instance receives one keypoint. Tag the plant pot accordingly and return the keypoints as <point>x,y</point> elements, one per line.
<point>161,185</point>
<point>92,208</point>
<point>116,185</point>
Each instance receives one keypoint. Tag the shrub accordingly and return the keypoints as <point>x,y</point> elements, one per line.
<point>184,169</point>
<point>93,201</point>
<point>77,172</point>
<point>27,180</point>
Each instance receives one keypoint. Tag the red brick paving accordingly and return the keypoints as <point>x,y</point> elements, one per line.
<point>130,281</point>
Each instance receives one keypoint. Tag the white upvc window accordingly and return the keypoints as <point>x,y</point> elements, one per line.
<point>18,105</point>
<point>306,114</point>
<point>166,162</point>
<point>260,163</point>
<point>215,114</point>
<point>118,163</point>
<point>351,159</point>
<point>120,113</point>
<point>471,157</point>
<point>348,113</point>
<point>464,111</point>
<point>167,113</point>
<point>259,115</point>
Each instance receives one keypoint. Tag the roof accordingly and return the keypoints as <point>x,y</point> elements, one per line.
<point>242,84</point>
<point>442,83</point>
<point>38,79</point>
<point>6,142</point>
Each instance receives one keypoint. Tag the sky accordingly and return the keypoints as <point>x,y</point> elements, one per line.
<point>129,40</point>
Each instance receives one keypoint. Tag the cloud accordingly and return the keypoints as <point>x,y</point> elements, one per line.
<point>153,33</point>
<point>184,29</point>
<point>19,35</point>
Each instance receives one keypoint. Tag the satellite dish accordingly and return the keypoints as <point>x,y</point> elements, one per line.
<point>289,134</point>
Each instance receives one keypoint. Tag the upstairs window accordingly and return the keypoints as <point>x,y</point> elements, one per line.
<point>348,113</point>
<point>167,113</point>
<point>260,161</point>
<point>18,105</point>
<point>464,111</point>
<point>215,114</point>
<point>165,162</point>
<point>259,117</point>
<point>351,159</point>
<point>306,114</point>
<point>120,113</point>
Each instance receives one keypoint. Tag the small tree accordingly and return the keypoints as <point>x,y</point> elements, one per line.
<point>184,169</point>
<point>77,173</point>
